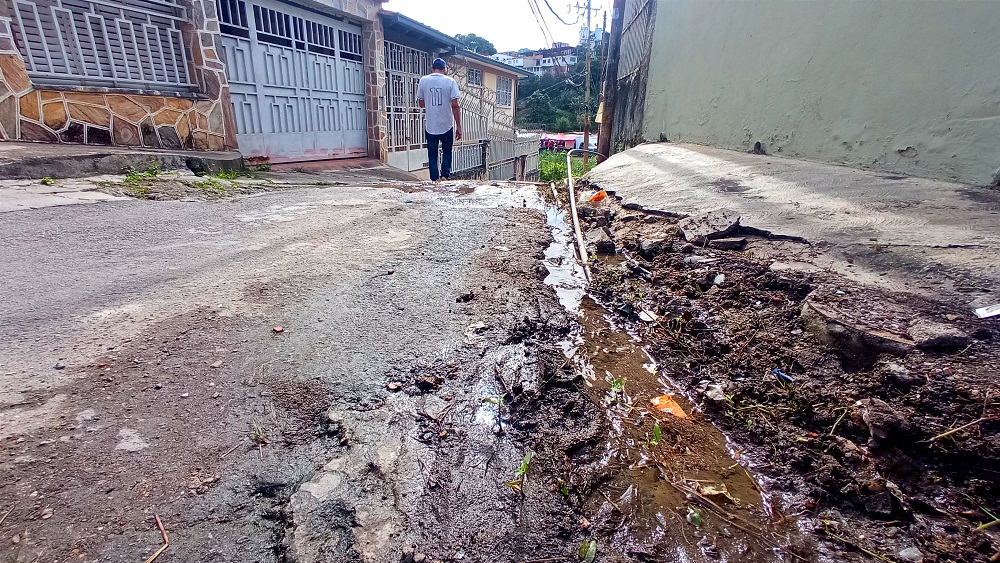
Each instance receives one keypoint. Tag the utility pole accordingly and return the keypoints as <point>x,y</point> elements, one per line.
<point>611,78</point>
<point>586,97</point>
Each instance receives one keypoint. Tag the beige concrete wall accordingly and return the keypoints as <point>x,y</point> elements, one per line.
<point>910,86</point>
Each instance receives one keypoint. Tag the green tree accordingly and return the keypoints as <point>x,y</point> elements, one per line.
<point>476,44</point>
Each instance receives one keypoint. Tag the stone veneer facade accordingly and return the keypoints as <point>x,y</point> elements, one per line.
<point>107,116</point>
<point>202,120</point>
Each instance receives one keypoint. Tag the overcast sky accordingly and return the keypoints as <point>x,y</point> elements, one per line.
<point>509,24</point>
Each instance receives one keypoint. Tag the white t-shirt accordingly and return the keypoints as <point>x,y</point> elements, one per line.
<point>437,91</point>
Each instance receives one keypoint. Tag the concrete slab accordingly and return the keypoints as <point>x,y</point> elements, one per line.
<point>893,225</point>
<point>41,160</point>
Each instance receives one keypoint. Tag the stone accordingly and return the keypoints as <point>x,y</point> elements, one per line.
<point>30,107</point>
<point>167,116</point>
<point>879,505</point>
<point>217,364</point>
<point>885,425</point>
<point>148,132</point>
<point>86,98</point>
<point>124,106</point>
<point>124,133</point>
<point>212,85</point>
<point>48,95</point>
<point>98,136</point>
<point>713,225</point>
<point>600,239</point>
<point>215,142</point>
<point>90,114</point>
<point>931,334</point>
<point>900,375</point>
<point>230,127</point>
<point>55,115</point>
<point>728,244</point>
<point>8,115</point>
<point>169,138</point>
<point>74,133</point>
<point>650,248</point>
<point>14,73</point>
<point>31,131</point>
<point>911,554</point>
<point>199,140</point>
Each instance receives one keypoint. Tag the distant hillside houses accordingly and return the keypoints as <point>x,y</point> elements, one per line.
<point>558,60</point>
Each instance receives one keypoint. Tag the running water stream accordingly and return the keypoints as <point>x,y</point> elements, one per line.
<point>672,486</point>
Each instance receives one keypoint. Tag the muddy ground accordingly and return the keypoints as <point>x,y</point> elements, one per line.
<point>413,372</point>
<point>868,416</point>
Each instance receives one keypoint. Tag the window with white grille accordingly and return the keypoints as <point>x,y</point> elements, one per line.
<point>505,91</point>
<point>475,77</point>
<point>112,43</point>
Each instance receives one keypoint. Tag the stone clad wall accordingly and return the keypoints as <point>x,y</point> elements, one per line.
<point>105,116</point>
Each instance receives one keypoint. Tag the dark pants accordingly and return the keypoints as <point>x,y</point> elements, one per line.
<point>446,140</point>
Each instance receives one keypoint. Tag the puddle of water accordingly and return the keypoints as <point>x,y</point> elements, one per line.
<point>674,488</point>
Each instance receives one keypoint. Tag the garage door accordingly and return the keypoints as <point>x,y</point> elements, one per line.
<point>297,81</point>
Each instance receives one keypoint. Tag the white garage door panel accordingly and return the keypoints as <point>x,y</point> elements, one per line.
<point>296,80</point>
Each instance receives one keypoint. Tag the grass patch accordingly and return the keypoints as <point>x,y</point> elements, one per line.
<point>229,174</point>
<point>211,185</point>
<point>46,181</point>
<point>552,166</point>
<point>133,176</point>
<point>136,190</point>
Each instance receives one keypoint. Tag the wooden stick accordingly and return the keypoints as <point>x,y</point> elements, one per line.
<point>166,540</point>
<point>232,450</point>
<point>13,506</point>
<point>962,427</point>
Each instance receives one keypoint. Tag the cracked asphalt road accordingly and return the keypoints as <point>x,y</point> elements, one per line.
<point>142,374</point>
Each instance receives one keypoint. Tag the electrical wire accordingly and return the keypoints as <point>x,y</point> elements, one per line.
<point>560,17</point>
<point>546,34</point>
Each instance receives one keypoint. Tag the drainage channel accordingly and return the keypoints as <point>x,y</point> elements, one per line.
<point>671,487</point>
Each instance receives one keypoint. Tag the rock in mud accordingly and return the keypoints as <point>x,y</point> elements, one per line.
<point>728,244</point>
<point>911,554</point>
<point>930,334</point>
<point>899,375</point>
<point>652,247</point>
<point>714,225</point>
<point>879,505</point>
<point>600,240</point>
<point>859,346</point>
<point>886,425</point>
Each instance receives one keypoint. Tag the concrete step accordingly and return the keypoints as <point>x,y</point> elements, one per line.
<point>20,161</point>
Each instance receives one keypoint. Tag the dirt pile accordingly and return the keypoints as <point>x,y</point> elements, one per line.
<point>874,414</point>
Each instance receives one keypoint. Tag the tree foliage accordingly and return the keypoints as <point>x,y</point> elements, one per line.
<point>476,44</point>
<point>556,103</point>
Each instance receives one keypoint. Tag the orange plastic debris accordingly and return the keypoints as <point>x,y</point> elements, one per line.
<point>599,196</point>
<point>666,403</point>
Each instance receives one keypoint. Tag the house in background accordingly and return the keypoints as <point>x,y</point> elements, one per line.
<point>278,81</point>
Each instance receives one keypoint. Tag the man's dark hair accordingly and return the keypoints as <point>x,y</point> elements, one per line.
<point>438,64</point>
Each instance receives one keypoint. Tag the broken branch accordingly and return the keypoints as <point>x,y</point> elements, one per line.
<point>962,427</point>
<point>166,540</point>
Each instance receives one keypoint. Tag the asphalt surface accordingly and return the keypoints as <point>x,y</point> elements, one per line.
<point>140,344</point>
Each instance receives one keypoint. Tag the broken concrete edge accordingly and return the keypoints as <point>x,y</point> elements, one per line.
<point>99,164</point>
<point>859,345</point>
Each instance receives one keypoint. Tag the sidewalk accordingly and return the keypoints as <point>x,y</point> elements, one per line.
<point>911,234</point>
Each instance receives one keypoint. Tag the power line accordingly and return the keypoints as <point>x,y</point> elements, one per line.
<point>560,17</point>
<point>546,34</point>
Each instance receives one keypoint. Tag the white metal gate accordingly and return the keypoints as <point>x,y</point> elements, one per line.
<point>296,79</point>
<point>404,66</point>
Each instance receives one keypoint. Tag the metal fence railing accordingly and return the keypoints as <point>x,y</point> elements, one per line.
<point>109,43</point>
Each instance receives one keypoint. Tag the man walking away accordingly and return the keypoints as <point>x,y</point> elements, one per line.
<point>438,94</point>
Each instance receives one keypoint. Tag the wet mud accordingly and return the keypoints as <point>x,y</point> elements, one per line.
<point>868,418</point>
